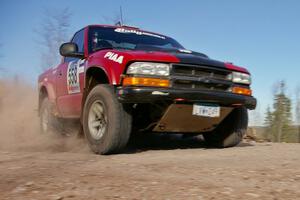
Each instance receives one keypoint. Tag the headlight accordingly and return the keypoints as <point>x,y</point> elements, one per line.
<point>238,77</point>
<point>149,68</point>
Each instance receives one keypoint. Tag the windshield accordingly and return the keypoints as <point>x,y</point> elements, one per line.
<point>125,38</point>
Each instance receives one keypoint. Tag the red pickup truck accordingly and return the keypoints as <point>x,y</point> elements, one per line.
<point>118,79</point>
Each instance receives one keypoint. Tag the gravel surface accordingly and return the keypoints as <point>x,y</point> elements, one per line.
<point>161,171</point>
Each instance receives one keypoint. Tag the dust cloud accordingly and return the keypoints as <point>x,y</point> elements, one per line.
<point>19,123</point>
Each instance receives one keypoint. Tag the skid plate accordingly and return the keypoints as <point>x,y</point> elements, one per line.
<point>179,118</point>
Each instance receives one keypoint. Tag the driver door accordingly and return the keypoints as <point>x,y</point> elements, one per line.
<point>70,80</point>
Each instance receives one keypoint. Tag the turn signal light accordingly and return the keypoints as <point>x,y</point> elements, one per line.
<point>141,81</point>
<point>241,90</point>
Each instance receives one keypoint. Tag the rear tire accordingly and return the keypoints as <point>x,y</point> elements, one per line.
<point>106,122</point>
<point>231,131</point>
<point>48,122</point>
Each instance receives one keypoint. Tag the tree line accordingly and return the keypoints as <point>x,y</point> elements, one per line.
<point>279,123</point>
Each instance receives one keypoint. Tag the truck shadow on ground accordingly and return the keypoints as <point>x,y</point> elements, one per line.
<point>154,141</point>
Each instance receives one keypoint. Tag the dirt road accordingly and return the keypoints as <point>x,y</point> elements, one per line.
<point>259,171</point>
<point>35,166</point>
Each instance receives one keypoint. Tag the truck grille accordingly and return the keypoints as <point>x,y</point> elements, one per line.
<point>199,77</point>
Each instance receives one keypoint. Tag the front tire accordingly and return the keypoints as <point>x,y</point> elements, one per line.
<point>231,131</point>
<point>106,122</point>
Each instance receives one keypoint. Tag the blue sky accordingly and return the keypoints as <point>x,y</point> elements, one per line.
<point>261,35</point>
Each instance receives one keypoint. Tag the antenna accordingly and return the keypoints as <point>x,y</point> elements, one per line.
<point>120,22</point>
<point>121,16</point>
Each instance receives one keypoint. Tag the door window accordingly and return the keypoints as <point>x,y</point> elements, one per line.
<point>78,39</point>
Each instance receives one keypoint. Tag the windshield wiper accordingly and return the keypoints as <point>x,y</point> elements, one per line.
<point>103,48</point>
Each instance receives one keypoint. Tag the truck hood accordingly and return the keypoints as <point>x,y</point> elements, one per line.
<point>182,55</point>
<point>198,59</point>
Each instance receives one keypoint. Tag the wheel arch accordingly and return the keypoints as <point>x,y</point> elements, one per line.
<point>93,76</point>
<point>98,74</point>
<point>43,93</point>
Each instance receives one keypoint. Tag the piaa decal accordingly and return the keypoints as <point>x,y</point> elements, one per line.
<point>114,57</point>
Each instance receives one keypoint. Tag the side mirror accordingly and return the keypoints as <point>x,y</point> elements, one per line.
<point>70,49</point>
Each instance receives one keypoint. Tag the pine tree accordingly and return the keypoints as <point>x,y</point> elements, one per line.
<point>297,113</point>
<point>279,121</point>
<point>269,117</point>
<point>268,124</point>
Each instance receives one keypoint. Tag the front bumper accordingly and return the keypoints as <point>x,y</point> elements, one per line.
<point>148,95</point>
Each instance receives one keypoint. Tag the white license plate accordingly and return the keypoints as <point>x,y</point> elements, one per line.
<point>206,111</point>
